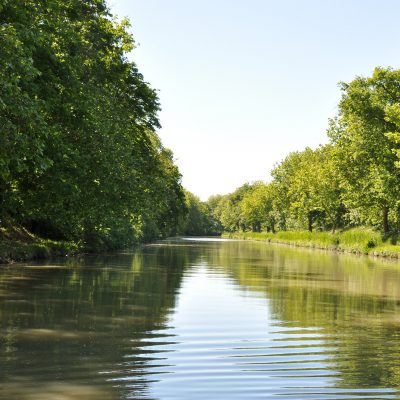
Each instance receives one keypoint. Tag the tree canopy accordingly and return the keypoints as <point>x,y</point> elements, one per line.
<point>79,155</point>
<point>353,180</point>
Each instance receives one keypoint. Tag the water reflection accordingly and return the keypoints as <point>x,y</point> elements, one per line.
<point>70,326</point>
<point>201,319</point>
<point>354,301</point>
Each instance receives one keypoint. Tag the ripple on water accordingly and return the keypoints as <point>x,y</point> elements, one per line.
<point>208,320</point>
<point>54,391</point>
<point>296,363</point>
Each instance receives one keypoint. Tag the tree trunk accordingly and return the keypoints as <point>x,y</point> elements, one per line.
<point>310,221</point>
<point>385,215</point>
<point>256,227</point>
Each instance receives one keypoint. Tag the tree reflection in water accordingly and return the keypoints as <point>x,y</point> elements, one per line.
<point>100,327</point>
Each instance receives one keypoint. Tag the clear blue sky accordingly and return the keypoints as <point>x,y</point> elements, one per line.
<point>244,82</point>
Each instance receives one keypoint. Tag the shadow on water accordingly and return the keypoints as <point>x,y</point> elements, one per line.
<point>66,328</point>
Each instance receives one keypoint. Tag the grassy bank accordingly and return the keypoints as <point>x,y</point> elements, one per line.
<point>357,240</point>
<point>17,244</point>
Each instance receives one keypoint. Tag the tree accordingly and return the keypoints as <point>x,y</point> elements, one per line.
<point>80,159</point>
<point>325,186</point>
<point>199,220</point>
<point>22,114</point>
<point>230,209</point>
<point>257,207</point>
<point>369,176</point>
<point>295,180</point>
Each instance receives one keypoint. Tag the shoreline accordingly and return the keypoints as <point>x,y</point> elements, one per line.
<point>12,252</point>
<point>363,242</point>
<point>383,250</point>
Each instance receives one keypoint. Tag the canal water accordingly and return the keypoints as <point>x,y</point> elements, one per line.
<point>201,319</point>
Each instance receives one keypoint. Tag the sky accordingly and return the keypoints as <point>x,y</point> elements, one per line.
<point>244,82</point>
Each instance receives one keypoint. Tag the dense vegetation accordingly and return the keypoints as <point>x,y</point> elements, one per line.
<point>80,159</point>
<point>352,181</point>
<point>199,220</point>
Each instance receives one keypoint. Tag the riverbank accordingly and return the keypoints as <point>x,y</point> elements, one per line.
<point>17,245</point>
<point>358,241</point>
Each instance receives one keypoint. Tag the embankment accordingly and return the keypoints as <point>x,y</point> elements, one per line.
<point>357,240</point>
<point>17,245</point>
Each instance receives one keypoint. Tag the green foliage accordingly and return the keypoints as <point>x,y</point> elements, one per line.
<point>309,239</point>
<point>352,181</point>
<point>199,220</point>
<point>321,240</point>
<point>257,209</point>
<point>392,114</point>
<point>364,149</point>
<point>79,156</point>
<point>360,240</point>
<point>19,250</point>
<point>307,186</point>
<point>80,159</point>
<point>387,250</point>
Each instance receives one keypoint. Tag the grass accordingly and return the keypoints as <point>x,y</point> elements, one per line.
<point>386,250</point>
<point>359,240</point>
<point>323,240</point>
<point>356,240</point>
<point>17,244</point>
<point>13,251</point>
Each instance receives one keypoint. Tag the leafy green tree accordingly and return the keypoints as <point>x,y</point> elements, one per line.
<point>392,114</point>
<point>257,207</point>
<point>230,210</point>
<point>80,159</point>
<point>326,186</point>
<point>199,220</point>
<point>214,208</point>
<point>295,180</point>
<point>308,190</point>
<point>353,180</point>
<point>22,114</point>
<point>368,170</point>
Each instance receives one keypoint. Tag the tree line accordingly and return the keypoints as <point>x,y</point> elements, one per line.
<point>80,159</point>
<point>354,180</point>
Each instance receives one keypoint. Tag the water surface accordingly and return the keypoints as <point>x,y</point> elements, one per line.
<point>201,319</point>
